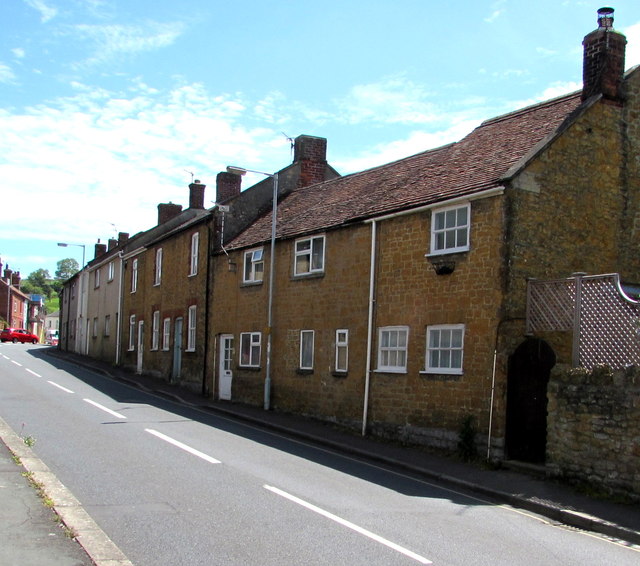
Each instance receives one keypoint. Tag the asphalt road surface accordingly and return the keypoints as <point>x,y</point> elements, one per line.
<point>172,485</point>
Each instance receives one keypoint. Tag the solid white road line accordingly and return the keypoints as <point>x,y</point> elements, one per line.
<point>183,446</point>
<point>349,525</point>
<point>33,372</point>
<point>14,362</point>
<point>59,386</point>
<point>103,408</point>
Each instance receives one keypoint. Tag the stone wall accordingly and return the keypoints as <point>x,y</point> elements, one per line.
<point>593,427</point>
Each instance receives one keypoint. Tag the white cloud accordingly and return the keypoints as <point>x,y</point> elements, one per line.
<point>394,100</point>
<point>18,53</point>
<point>633,45</point>
<point>112,41</point>
<point>46,12</point>
<point>6,74</point>
<point>98,157</point>
<point>498,10</point>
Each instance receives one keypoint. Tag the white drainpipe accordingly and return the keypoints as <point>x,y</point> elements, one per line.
<point>372,279</point>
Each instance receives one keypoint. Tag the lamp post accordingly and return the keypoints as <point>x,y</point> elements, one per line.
<point>272,257</point>
<point>64,245</point>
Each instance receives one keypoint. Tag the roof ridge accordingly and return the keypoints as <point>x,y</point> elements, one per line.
<point>530,108</point>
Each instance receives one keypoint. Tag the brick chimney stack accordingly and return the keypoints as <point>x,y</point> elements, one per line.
<point>196,194</point>
<point>228,185</point>
<point>167,211</point>
<point>311,154</point>
<point>603,63</point>
<point>112,243</point>
<point>99,249</point>
<point>123,238</point>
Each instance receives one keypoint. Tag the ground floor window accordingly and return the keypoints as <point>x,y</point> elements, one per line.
<point>250,349</point>
<point>392,348</point>
<point>342,350</point>
<point>445,346</point>
<point>306,349</point>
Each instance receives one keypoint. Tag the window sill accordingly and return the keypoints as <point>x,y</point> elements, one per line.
<point>402,371</point>
<point>301,371</point>
<point>313,275</point>
<point>340,374</point>
<point>251,284</point>
<point>439,376</point>
<point>250,368</point>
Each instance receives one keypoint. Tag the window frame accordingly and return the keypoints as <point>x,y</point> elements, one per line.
<point>304,362</point>
<point>388,349</point>
<point>96,278</point>
<point>192,328</point>
<point>166,334</point>
<point>429,349</point>
<point>155,330</point>
<point>436,232</point>
<point>193,258</point>
<point>132,333</point>
<point>94,329</point>
<point>251,277</point>
<point>311,253</point>
<point>111,271</point>
<point>107,325</point>
<point>252,363</point>
<point>342,345</point>
<point>134,275</point>
<point>157,273</point>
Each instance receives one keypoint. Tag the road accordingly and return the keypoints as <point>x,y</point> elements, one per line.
<point>173,485</point>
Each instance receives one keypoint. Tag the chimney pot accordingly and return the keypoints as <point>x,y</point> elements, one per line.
<point>605,18</point>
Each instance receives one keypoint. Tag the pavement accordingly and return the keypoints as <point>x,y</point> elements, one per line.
<point>30,536</point>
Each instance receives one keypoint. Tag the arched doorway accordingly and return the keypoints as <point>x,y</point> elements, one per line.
<point>528,375</point>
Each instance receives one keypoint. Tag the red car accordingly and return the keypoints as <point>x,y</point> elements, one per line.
<point>18,335</point>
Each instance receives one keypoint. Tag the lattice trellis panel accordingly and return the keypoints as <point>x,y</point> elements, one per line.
<point>609,322</point>
<point>609,331</point>
<point>550,305</point>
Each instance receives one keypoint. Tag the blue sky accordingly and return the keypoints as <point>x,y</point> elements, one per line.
<point>108,106</point>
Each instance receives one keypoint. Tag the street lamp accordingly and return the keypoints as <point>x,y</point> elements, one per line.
<point>274,210</point>
<point>64,245</point>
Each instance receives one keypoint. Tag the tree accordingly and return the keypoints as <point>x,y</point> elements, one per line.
<point>67,268</point>
<point>37,283</point>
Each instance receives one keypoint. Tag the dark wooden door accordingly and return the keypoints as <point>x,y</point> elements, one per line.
<point>528,375</point>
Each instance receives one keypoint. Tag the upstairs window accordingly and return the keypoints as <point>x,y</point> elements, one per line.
<point>309,256</point>
<point>195,243</point>
<point>253,266</point>
<point>134,275</point>
<point>96,281</point>
<point>392,349</point>
<point>111,271</point>
<point>157,279</point>
<point>445,346</point>
<point>450,229</point>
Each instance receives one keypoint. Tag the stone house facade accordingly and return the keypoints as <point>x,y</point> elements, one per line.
<point>14,304</point>
<point>399,293</point>
<point>104,275</point>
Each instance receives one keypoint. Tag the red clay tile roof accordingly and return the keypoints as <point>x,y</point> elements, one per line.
<point>477,162</point>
